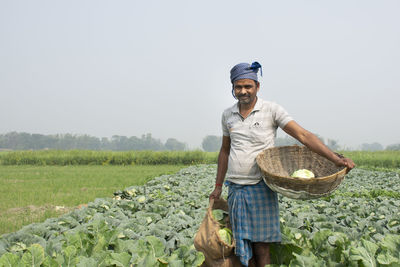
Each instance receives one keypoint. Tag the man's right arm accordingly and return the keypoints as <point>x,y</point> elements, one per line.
<point>222,166</point>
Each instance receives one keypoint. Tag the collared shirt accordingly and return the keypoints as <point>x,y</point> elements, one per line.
<point>250,136</point>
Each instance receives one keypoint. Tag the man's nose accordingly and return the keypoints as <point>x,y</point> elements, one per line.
<point>242,91</point>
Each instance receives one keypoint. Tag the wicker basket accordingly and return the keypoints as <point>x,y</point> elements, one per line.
<point>278,163</point>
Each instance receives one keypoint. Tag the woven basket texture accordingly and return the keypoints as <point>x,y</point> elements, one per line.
<point>278,163</point>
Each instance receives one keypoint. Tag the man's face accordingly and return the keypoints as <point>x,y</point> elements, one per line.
<point>246,90</point>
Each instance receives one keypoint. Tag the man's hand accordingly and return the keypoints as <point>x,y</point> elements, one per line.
<point>346,162</point>
<point>216,194</point>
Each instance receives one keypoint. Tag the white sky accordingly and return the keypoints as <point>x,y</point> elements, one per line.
<point>162,67</point>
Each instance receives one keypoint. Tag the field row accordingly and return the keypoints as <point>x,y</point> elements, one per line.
<point>378,159</point>
<point>91,157</point>
<point>154,225</point>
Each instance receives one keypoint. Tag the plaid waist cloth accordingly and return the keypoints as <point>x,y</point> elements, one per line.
<point>254,216</point>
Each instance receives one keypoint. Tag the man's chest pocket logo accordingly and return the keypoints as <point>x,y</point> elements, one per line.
<point>258,132</point>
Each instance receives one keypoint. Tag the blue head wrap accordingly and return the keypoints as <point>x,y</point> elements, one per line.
<point>245,71</point>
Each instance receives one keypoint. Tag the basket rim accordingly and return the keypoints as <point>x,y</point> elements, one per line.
<point>304,180</point>
<point>308,180</point>
<point>287,192</point>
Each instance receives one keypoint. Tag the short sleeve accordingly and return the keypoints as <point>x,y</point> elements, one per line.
<point>225,131</point>
<point>281,116</point>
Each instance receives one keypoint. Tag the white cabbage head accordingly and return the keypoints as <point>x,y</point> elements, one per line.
<point>303,173</point>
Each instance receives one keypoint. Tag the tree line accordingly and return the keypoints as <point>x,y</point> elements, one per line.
<point>26,141</point>
<point>213,143</point>
<point>210,143</point>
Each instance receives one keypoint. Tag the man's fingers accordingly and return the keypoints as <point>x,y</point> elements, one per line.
<point>349,164</point>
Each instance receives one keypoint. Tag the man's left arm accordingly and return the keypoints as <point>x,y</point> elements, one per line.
<point>311,141</point>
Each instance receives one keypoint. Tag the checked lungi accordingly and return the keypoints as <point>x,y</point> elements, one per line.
<point>254,217</point>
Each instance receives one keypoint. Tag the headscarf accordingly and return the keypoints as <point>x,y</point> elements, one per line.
<point>245,71</point>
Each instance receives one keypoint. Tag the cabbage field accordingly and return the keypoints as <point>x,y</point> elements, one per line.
<point>154,225</point>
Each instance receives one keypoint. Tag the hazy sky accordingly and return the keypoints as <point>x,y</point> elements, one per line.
<point>128,68</point>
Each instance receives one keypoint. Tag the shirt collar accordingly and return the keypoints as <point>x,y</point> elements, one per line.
<point>257,106</point>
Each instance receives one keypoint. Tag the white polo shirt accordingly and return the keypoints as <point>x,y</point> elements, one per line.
<point>249,137</point>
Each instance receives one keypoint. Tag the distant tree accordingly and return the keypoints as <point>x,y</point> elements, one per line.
<point>9,140</point>
<point>371,147</point>
<point>120,143</point>
<point>105,143</point>
<point>173,144</point>
<point>393,147</point>
<point>124,143</point>
<point>151,143</point>
<point>66,141</point>
<point>136,143</point>
<point>88,142</point>
<point>211,143</point>
<point>23,141</point>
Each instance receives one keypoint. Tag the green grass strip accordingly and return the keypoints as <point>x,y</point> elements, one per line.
<point>34,193</point>
<point>89,157</point>
<point>375,159</point>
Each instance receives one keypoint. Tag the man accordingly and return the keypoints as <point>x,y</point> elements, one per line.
<point>249,127</point>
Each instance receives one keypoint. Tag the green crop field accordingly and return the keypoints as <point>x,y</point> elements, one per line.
<point>34,193</point>
<point>376,159</point>
<point>154,225</point>
<point>89,157</point>
<point>153,222</point>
